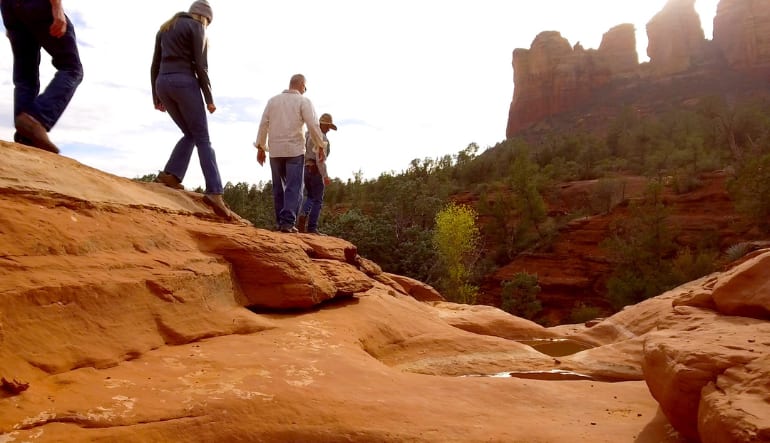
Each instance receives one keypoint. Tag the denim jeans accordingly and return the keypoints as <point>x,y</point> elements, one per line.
<point>28,23</point>
<point>287,188</point>
<point>314,183</point>
<point>181,95</point>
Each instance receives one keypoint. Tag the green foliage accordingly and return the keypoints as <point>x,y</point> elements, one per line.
<point>147,178</point>
<point>456,239</point>
<point>519,296</point>
<point>642,246</point>
<point>582,313</point>
<point>737,251</point>
<point>689,265</point>
<point>607,193</point>
<point>254,203</point>
<point>751,191</point>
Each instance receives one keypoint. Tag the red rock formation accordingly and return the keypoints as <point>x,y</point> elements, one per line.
<point>123,318</point>
<point>742,32</point>
<point>676,39</point>
<point>618,50</point>
<point>562,80</point>
<point>552,77</point>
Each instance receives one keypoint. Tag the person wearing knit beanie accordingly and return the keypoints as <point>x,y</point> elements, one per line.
<point>202,8</point>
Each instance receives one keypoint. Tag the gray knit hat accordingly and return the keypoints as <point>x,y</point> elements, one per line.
<point>202,8</point>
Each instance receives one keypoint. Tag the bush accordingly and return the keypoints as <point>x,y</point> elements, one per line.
<point>582,313</point>
<point>519,296</point>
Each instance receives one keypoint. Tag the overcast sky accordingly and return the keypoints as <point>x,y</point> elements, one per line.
<point>403,79</point>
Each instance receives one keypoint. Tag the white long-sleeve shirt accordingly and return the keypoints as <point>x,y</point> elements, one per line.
<point>280,130</point>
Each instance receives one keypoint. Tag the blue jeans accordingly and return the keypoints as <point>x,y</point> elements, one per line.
<point>181,95</point>
<point>287,188</point>
<point>314,183</point>
<point>27,23</point>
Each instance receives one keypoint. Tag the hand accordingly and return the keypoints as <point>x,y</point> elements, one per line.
<point>211,107</point>
<point>59,26</point>
<point>261,156</point>
<point>327,181</point>
<point>160,107</point>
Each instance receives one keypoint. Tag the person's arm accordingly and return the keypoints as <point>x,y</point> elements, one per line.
<point>154,70</point>
<point>59,26</point>
<point>322,164</point>
<point>200,55</point>
<point>261,142</point>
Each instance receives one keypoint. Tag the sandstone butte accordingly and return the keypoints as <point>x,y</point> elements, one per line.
<point>552,77</point>
<point>131,313</point>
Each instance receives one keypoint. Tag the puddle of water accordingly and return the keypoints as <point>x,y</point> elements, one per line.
<point>555,374</point>
<point>557,347</point>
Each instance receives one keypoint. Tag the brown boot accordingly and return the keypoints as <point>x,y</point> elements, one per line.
<point>169,180</point>
<point>29,128</point>
<point>302,223</point>
<point>219,206</point>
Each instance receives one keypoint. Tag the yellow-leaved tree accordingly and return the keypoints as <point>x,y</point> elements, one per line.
<point>456,239</point>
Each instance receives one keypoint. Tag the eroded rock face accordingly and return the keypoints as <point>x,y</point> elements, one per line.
<point>742,32</point>
<point>675,37</point>
<point>732,409</point>
<point>552,76</point>
<point>678,51</point>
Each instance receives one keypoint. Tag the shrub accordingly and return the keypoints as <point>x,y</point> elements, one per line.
<point>519,296</point>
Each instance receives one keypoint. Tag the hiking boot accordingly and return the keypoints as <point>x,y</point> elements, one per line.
<point>288,229</point>
<point>302,223</point>
<point>219,206</point>
<point>316,232</point>
<point>18,138</point>
<point>27,127</point>
<point>169,180</point>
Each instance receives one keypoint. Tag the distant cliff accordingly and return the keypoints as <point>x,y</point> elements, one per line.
<point>552,77</point>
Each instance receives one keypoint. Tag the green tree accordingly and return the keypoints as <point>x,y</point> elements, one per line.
<point>642,246</point>
<point>456,239</point>
<point>751,191</point>
<point>147,178</point>
<point>519,296</point>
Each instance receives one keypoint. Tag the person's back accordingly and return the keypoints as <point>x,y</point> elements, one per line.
<point>285,122</point>
<point>280,133</point>
<point>177,53</point>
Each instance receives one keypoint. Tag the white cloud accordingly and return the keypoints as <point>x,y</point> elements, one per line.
<point>403,79</point>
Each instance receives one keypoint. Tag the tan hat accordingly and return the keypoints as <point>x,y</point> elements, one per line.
<point>327,119</point>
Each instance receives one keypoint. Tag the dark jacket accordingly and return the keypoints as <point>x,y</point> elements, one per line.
<point>182,48</point>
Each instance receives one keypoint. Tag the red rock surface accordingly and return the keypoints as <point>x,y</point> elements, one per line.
<point>130,312</point>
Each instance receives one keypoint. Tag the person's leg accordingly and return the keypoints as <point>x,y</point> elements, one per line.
<point>315,195</point>
<point>169,90</point>
<point>292,195</point>
<point>306,202</point>
<point>65,58</point>
<point>26,60</point>
<point>278,171</point>
<point>189,101</point>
